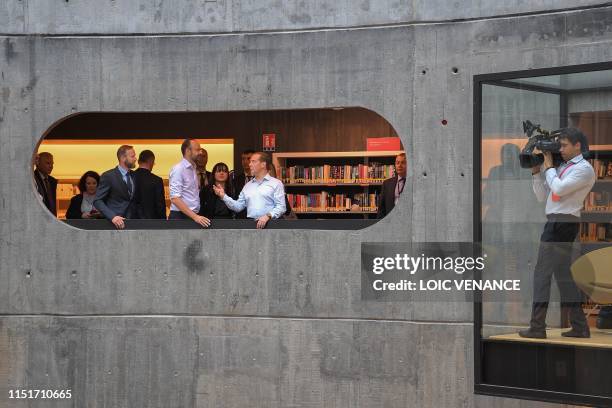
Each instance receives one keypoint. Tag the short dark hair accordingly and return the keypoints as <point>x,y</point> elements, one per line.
<point>264,157</point>
<point>122,150</point>
<point>185,145</point>
<point>83,180</point>
<point>574,136</point>
<point>146,156</point>
<point>248,151</point>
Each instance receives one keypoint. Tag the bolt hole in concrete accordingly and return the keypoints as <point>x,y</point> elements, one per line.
<point>423,72</point>
<point>455,70</point>
<point>444,122</point>
<point>424,174</point>
<point>28,274</point>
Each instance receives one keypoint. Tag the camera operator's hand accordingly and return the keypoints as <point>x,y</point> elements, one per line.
<point>548,160</point>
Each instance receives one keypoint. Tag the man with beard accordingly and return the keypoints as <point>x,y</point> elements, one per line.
<point>115,194</point>
<point>185,186</point>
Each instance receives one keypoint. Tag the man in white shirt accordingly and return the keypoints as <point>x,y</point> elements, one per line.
<point>564,188</point>
<point>185,186</point>
<point>263,196</point>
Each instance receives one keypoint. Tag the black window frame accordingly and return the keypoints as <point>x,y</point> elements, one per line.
<point>480,387</point>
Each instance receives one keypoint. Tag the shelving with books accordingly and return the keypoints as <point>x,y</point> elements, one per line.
<point>330,184</point>
<point>596,217</point>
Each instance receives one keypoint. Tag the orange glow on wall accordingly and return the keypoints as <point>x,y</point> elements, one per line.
<point>72,158</point>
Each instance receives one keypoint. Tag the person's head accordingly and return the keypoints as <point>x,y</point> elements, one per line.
<point>573,142</point>
<point>245,158</point>
<point>220,173</point>
<point>510,153</point>
<point>201,160</point>
<point>44,163</point>
<point>259,164</point>
<point>191,149</point>
<point>126,155</point>
<point>400,165</point>
<point>89,182</point>
<point>146,159</point>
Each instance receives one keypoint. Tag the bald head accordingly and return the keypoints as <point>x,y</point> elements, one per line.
<point>44,163</point>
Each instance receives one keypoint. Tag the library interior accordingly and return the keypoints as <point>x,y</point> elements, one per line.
<point>332,161</point>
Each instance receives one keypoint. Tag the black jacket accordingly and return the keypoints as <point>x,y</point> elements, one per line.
<point>112,197</point>
<point>74,209</point>
<point>210,204</point>
<point>40,187</point>
<point>149,195</point>
<point>386,200</point>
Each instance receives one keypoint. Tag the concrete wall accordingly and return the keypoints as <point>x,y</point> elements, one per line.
<point>230,318</point>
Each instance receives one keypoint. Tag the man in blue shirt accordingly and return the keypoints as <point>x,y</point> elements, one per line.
<point>263,196</point>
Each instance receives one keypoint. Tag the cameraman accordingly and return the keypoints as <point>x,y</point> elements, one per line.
<point>564,187</point>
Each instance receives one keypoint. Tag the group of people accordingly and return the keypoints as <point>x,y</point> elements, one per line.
<point>195,193</point>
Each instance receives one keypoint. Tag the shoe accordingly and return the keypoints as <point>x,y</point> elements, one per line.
<point>532,334</point>
<point>575,333</point>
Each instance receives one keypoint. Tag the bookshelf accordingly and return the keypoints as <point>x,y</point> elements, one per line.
<point>334,184</point>
<point>596,225</point>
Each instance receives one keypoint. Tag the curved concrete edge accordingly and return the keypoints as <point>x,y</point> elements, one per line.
<point>41,17</point>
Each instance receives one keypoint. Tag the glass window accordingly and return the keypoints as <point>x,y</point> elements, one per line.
<point>543,143</point>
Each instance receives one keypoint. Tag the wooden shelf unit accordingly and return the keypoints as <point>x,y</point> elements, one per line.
<point>349,187</point>
<point>596,225</point>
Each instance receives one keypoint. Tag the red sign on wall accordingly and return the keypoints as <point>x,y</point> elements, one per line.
<point>377,144</point>
<point>269,142</point>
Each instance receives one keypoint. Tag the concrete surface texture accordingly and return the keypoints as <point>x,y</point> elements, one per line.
<point>230,318</point>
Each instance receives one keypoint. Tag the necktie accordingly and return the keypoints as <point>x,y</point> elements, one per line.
<point>48,191</point>
<point>399,188</point>
<point>130,186</point>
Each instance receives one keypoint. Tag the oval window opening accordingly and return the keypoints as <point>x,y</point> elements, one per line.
<point>333,168</point>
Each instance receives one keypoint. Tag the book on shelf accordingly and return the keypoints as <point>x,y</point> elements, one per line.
<point>602,167</point>
<point>591,231</point>
<point>330,202</point>
<point>598,201</point>
<point>373,173</point>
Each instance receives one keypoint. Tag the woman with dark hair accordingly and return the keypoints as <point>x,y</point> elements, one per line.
<point>81,205</point>
<point>211,205</point>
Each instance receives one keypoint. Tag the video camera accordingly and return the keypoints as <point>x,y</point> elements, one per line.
<point>542,139</point>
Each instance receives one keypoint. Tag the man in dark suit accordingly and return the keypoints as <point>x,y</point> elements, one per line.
<point>204,176</point>
<point>240,178</point>
<point>45,184</point>
<point>149,191</point>
<point>392,187</point>
<point>115,194</point>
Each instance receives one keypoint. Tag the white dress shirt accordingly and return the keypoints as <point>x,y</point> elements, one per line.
<point>260,198</point>
<point>184,184</point>
<point>572,188</point>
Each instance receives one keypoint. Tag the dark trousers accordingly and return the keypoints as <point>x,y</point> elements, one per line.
<point>554,258</point>
<point>177,215</point>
